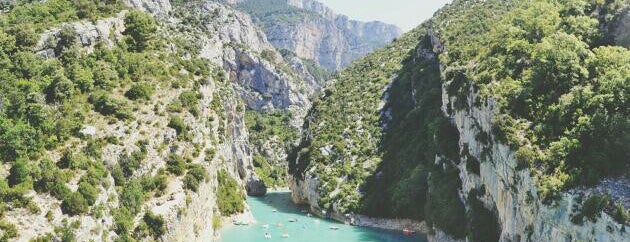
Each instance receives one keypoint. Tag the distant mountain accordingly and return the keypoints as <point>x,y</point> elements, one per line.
<point>313,31</point>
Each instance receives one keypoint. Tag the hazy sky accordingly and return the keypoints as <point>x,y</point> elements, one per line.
<point>407,14</point>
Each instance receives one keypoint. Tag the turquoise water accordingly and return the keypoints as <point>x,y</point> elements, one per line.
<point>306,229</point>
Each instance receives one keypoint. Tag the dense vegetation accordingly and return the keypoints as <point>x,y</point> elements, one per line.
<point>560,87</point>
<point>46,100</point>
<point>374,160</point>
<point>230,197</point>
<point>268,131</point>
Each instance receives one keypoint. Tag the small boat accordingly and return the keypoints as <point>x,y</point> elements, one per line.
<point>279,224</point>
<point>265,226</point>
<point>292,220</point>
<point>333,227</point>
<point>285,235</point>
<point>275,210</point>
<point>408,232</point>
<point>236,222</point>
<point>308,215</point>
<point>267,236</point>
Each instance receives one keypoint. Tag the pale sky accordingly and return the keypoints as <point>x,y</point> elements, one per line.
<point>406,14</point>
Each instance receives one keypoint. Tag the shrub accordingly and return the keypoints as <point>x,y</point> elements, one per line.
<point>151,225</point>
<point>89,192</point>
<point>9,229</point>
<point>25,36</point>
<point>176,164</point>
<point>621,215</point>
<point>131,163</point>
<point>157,183</point>
<point>190,100</point>
<point>73,161</point>
<point>230,198</point>
<point>132,197</point>
<point>196,174</point>
<point>119,176</point>
<point>594,205</point>
<point>104,76</point>
<point>140,29</point>
<point>82,78</point>
<point>18,173</point>
<point>123,221</point>
<point>178,125</point>
<point>139,91</point>
<point>60,89</point>
<point>18,140</point>
<point>67,38</point>
<point>75,204</point>
<point>110,106</point>
<point>216,222</point>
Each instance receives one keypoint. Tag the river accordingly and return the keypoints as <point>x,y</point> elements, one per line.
<point>276,207</point>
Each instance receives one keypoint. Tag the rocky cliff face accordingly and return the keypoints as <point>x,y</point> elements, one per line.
<point>248,73</point>
<point>509,192</point>
<point>260,75</point>
<point>321,35</point>
<point>512,193</point>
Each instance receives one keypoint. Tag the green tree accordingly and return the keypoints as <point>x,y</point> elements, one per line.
<point>89,192</point>
<point>152,225</point>
<point>18,173</point>
<point>75,204</point>
<point>196,174</point>
<point>140,28</point>
<point>229,197</point>
<point>18,140</point>
<point>178,125</point>
<point>139,91</point>
<point>176,164</point>
<point>61,88</point>
<point>132,197</point>
<point>25,36</point>
<point>82,78</point>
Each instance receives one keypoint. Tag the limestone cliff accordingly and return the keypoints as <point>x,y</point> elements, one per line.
<point>453,171</point>
<point>313,31</point>
<point>247,73</point>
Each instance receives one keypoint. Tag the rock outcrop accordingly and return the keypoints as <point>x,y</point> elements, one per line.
<point>263,79</point>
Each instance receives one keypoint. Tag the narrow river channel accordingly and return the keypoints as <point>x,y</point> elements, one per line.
<point>274,213</point>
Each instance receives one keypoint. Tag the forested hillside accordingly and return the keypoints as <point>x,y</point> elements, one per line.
<point>104,124</point>
<point>422,128</point>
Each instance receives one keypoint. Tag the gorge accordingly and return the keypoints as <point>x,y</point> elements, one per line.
<point>143,120</point>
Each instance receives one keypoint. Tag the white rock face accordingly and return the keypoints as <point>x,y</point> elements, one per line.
<point>160,8</point>
<point>88,131</point>
<point>263,79</point>
<point>106,31</point>
<point>513,192</point>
